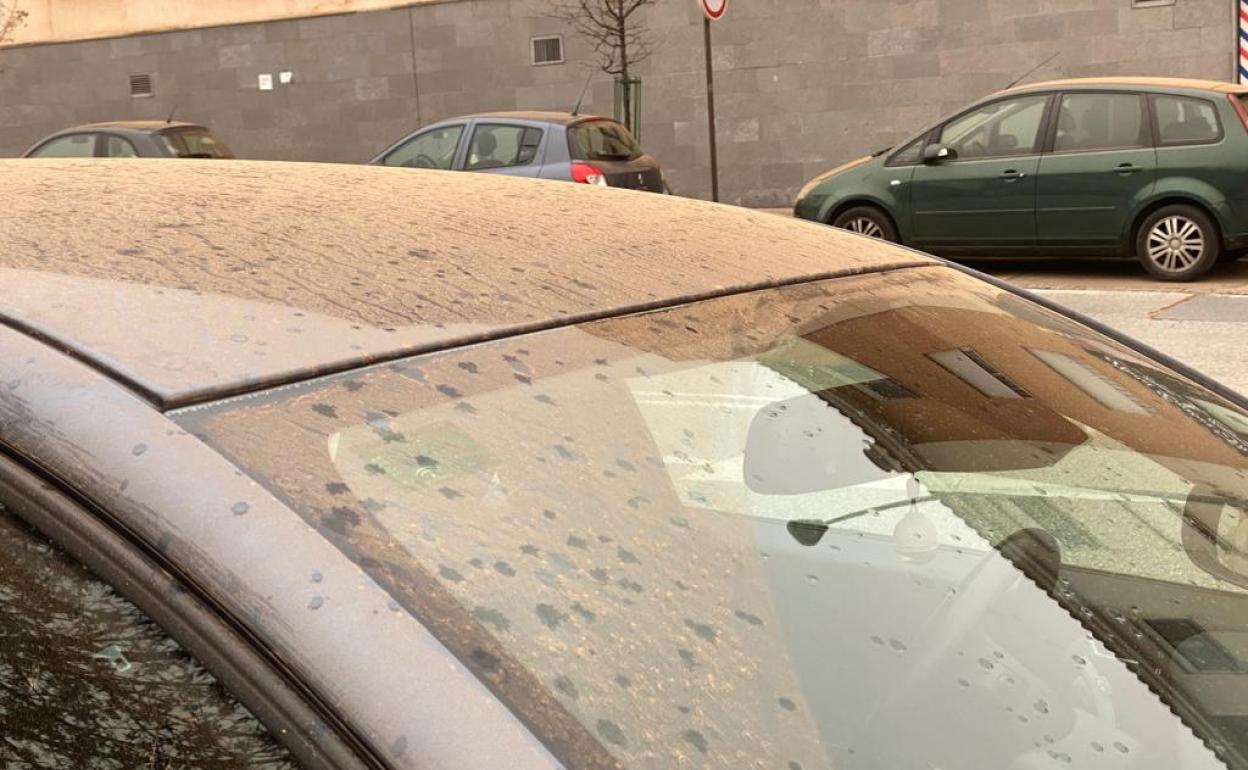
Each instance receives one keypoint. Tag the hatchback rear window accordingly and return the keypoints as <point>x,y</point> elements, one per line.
<point>602,140</point>
<point>889,521</point>
<point>195,143</point>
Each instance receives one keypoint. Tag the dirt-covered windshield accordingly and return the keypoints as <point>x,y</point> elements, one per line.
<point>895,521</point>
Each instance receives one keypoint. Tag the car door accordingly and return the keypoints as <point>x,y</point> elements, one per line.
<point>435,147</point>
<point>498,147</point>
<point>1101,162</point>
<point>981,192</point>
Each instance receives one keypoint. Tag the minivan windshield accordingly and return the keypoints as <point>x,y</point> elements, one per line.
<point>905,520</point>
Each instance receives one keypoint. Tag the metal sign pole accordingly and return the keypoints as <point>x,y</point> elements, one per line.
<point>710,108</point>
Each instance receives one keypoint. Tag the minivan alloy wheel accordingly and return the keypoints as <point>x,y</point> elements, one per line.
<point>865,227</point>
<point>1175,243</point>
<point>866,220</point>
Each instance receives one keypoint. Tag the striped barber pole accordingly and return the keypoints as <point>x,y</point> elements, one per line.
<point>1243,42</point>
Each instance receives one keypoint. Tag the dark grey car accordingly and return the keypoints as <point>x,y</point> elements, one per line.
<point>545,145</point>
<point>132,139</point>
<point>315,466</point>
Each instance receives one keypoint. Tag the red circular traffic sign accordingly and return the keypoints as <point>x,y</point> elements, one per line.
<point>714,9</point>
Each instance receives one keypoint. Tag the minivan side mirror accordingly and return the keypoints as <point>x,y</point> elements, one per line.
<point>938,153</point>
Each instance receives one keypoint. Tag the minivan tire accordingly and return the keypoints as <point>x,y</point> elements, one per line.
<point>868,221</point>
<point>1178,243</point>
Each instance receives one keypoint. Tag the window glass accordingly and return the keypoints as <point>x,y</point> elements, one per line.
<point>431,149</point>
<point>1087,379</point>
<point>1003,128</point>
<point>1185,120</point>
<point>119,147</point>
<point>86,681</point>
<point>602,140</point>
<point>776,530</point>
<point>909,154</point>
<point>72,146</point>
<point>496,146</point>
<point>969,366</point>
<point>1099,122</point>
<point>195,143</point>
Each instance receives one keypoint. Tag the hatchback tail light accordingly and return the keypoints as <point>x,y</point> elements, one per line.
<point>1240,110</point>
<point>586,173</point>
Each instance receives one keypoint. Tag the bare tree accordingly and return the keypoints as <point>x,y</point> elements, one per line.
<point>11,17</point>
<point>619,38</point>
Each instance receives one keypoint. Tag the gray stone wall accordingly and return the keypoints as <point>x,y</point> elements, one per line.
<point>801,84</point>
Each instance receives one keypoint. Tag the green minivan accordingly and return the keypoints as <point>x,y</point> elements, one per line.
<point>1154,168</point>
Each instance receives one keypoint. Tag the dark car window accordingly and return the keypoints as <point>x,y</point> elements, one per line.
<point>1186,120</point>
<point>1000,129</point>
<point>891,521</point>
<point>431,149</point>
<point>1100,121</point>
<point>602,140</point>
<point>195,143</point>
<point>910,154</point>
<point>120,147</point>
<point>502,146</point>
<point>71,146</point>
<point>86,681</point>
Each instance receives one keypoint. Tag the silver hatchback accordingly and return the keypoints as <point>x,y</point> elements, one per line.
<point>544,145</point>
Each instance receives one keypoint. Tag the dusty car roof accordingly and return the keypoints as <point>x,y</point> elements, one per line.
<point>136,125</point>
<point>558,118</point>
<point>195,281</point>
<point>1143,82</point>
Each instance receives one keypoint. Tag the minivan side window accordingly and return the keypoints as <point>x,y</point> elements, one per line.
<point>1100,121</point>
<point>431,149</point>
<point>1185,120</point>
<point>88,681</point>
<point>997,130</point>
<point>72,146</point>
<point>502,146</point>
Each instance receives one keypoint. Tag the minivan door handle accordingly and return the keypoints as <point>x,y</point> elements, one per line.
<point>1012,174</point>
<point>1127,168</point>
